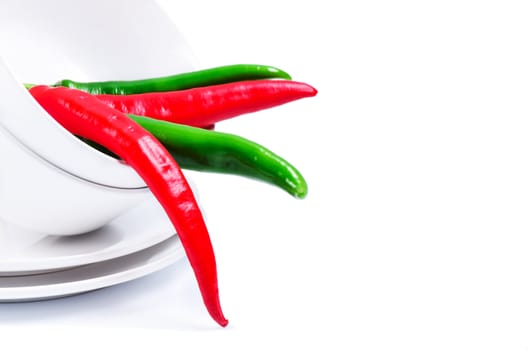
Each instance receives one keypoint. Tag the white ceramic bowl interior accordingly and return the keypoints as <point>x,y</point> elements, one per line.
<point>50,181</point>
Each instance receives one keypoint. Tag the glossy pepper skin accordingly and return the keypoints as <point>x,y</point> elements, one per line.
<point>188,80</point>
<point>213,151</point>
<point>84,115</point>
<point>217,152</point>
<point>208,105</point>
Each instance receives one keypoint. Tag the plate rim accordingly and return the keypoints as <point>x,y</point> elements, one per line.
<point>165,253</point>
<point>58,263</point>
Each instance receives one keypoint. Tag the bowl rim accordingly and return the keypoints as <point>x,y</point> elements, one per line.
<point>25,120</point>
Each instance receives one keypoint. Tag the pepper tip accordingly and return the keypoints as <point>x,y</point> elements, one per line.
<point>285,75</point>
<point>217,315</point>
<point>301,193</point>
<point>223,322</point>
<point>274,72</point>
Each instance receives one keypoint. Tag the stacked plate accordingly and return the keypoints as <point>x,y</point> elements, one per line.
<point>35,266</point>
<point>53,183</point>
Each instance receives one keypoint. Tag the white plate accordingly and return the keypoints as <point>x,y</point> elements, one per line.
<point>91,277</point>
<point>30,253</point>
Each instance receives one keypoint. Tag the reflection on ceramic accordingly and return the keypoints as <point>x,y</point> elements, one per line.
<point>50,182</point>
<point>31,253</point>
<point>91,277</point>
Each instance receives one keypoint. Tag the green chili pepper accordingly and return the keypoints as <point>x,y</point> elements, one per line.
<point>212,151</point>
<point>199,78</point>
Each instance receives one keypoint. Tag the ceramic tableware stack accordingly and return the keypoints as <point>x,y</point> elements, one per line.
<point>71,218</point>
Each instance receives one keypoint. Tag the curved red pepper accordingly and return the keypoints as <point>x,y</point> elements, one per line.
<point>86,116</point>
<point>205,106</point>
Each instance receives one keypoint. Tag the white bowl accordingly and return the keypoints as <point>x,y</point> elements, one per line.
<point>50,181</point>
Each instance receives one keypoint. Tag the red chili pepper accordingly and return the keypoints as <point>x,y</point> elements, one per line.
<point>84,115</point>
<point>205,106</point>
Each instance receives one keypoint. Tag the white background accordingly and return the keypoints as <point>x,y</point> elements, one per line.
<point>414,233</point>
